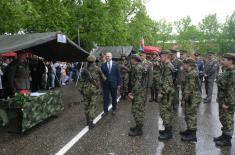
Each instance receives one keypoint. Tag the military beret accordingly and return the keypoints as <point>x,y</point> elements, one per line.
<point>211,52</point>
<point>136,57</point>
<point>189,61</point>
<point>229,55</point>
<point>174,51</point>
<point>167,52</point>
<point>91,58</point>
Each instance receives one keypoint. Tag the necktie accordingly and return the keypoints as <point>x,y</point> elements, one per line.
<point>109,67</point>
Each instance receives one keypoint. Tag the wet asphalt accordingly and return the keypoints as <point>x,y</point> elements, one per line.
<point>110,136</point>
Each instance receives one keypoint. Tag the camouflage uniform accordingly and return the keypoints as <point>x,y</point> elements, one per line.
<point>226,95</point>
<point>167,91</point>
<point>178,76</point>
<point>89,88</point>
<point>148,75</point>
<point>138,91</point>
<point>211,68</point>
<point>156,79</point>
<point>124,66</point>
<point>191,98</point>
<point>226,100</point>
<point>19,75</point>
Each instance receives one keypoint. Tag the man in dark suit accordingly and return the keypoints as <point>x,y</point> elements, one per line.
<point>112,72</point>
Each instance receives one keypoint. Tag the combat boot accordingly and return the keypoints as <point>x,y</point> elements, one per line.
<point>137,132</point>
<point>162,131</point>
<point>191,136</point>
<point>151,100</point>
<point>91,124</point>
<point>218,138</point>
<point>166,135</point>
<point>133,128</point>
<point>183,133</point>
<point>225,141</point>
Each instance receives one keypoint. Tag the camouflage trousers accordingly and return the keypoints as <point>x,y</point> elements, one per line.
<point>90,106</point>
<point>226,119</point>
<point>154,89</point>
<point>175,100</point>
<point>124,86</point>
<point>166,109</point>
<point>190,112</point>
<point>138,109</point>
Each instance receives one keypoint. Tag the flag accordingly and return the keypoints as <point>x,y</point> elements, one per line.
<point>142,44</point>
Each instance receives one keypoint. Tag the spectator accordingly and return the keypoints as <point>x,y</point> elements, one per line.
<point>1,75</point>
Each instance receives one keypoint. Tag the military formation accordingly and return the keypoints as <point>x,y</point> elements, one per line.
<point>167,76</point>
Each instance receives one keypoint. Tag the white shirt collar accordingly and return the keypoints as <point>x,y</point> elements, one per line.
<point>111,63</point>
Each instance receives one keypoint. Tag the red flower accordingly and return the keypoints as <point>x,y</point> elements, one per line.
<point>24,92</point>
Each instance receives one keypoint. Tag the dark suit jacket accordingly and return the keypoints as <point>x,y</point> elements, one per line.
<point>114,77</point>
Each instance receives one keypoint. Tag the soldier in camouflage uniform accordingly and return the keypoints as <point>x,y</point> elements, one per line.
<point>156,77</point>
<point>211,68</point>
<point>191,98</point>
<point>226,99</point>
<point>148,73</point>
<point>91,76</point>
<point>137,95</point>
<point>177,78</point>
<point>19,74</point>
<point>124,68</point>
<point>166,95</point>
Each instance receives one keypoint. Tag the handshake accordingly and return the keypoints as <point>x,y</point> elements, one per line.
<point>130,96</point>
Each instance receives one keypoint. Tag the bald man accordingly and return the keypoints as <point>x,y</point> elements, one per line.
<point>112,72</point>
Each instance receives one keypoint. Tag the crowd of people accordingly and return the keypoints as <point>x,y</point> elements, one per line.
<point>33,73</point>
<point>165,75</point>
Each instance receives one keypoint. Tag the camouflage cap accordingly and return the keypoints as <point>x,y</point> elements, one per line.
<point>182,52</point>
<point>189,61</point>
<point>196,54</point>
<point>229,55</point>
<point>155,53</point>
<point>136,57</point>
<point>210,52</point>
<point>165,52</point>
<point>173,51</point>
<point>91,58</point>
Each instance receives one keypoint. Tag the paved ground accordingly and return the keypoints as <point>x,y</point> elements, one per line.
<point>110,135</point>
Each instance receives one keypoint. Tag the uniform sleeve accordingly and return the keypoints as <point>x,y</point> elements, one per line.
<point>213,69</point>
<point>179,73</point>
<point>137,87</point>
<point>150,75</point>
<point>190,84</point>
<point>230,95</point>
<point>168,80</point>
<point>101,74</point>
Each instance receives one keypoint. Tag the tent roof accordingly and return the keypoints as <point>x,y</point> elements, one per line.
<point>117,51</point>
<point>44,45</point>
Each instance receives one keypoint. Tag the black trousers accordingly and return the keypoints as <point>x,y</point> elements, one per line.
<point>107,90</point>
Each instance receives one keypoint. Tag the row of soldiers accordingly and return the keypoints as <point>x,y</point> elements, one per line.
<point>168,78</point>
<point>168,75</point>
<point>165,75</point>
